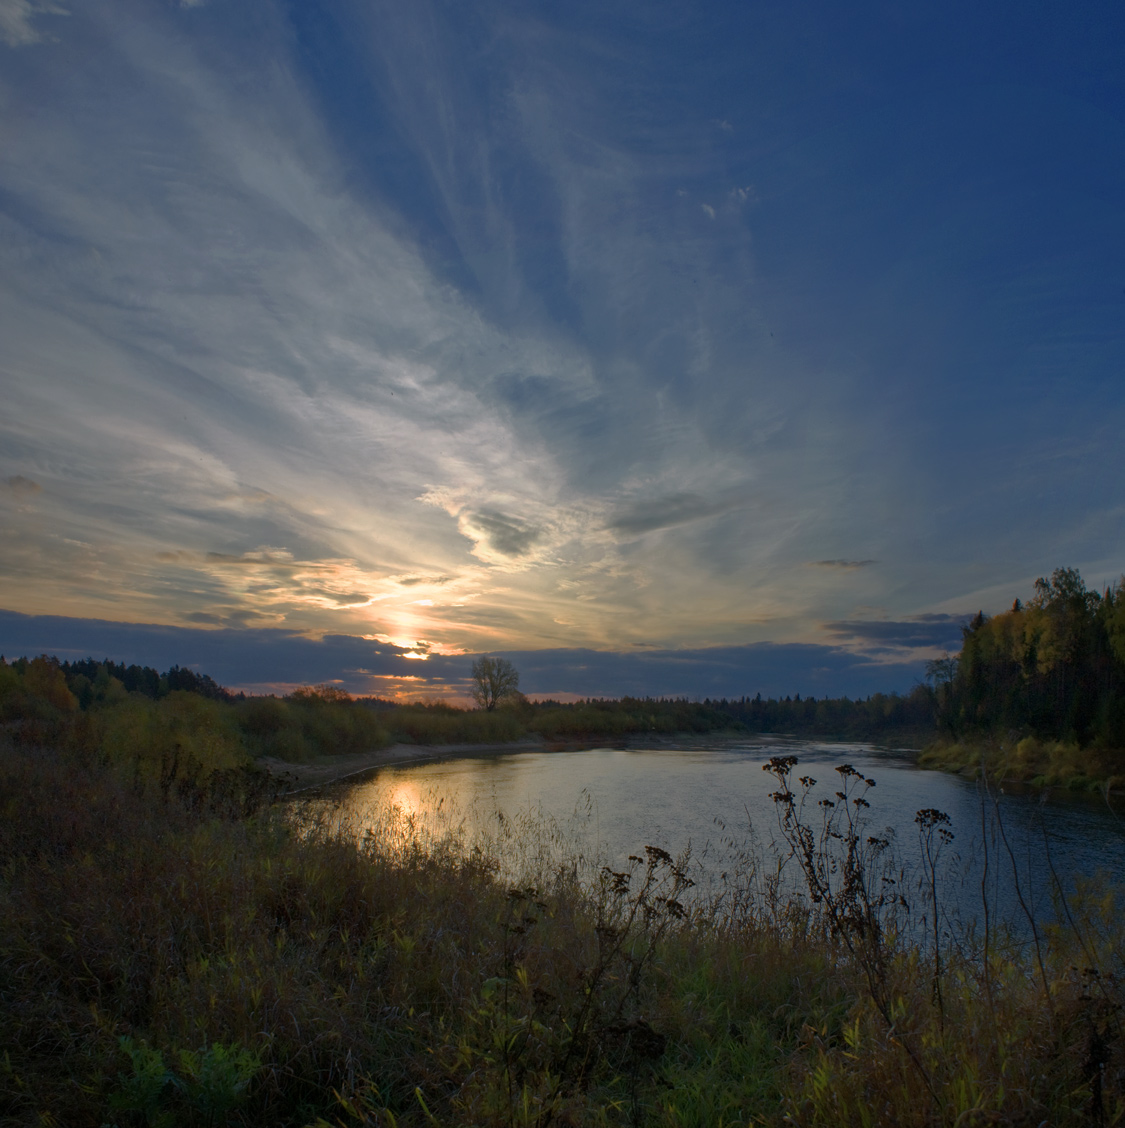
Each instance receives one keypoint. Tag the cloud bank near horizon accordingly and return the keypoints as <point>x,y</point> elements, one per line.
<point>269,659</point>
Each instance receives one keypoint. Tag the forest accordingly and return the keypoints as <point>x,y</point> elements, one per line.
<point>1040,687</point>
<point>138,703</point>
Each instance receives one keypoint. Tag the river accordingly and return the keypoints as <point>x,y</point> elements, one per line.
<point>606,803</point>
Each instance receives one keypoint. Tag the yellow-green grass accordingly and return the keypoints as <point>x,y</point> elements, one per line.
<point>1044,763</point>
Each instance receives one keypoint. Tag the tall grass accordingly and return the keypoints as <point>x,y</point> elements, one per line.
<point>190,955</point>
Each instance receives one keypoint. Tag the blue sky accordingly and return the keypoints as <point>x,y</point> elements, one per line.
<point>774,337</point>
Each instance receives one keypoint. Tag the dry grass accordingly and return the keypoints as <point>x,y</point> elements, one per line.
<point>183,955</point>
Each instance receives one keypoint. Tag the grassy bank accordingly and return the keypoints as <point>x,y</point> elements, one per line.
<point>175,950</point>
<point>1040,763</point>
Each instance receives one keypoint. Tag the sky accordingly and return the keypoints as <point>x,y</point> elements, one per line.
<point>672,348</point>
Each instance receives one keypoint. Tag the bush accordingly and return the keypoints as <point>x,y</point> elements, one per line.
<point>34,690</point>
<point>442,725</point>
<point>324,721</point>
<point>180,733</point>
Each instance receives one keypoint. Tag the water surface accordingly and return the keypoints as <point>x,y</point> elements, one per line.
<point>714,796</point>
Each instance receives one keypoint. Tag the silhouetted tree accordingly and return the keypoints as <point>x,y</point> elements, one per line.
<point>494,679</point>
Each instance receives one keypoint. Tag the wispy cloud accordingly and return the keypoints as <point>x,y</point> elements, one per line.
<point>665,513</point>
<point>341,378</point>
<point>411,321</point>
<point>498,533</point>
<point>18,24</point>
<point>846,565</point>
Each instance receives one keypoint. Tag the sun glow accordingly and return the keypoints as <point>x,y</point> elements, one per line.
<point>408,629</point>
<point>407,798</point>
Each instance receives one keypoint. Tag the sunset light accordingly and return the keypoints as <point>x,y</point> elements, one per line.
<point>562,563</point>
<point>320,324</point>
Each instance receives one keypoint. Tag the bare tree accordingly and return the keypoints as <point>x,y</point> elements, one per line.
<point>494,679</point>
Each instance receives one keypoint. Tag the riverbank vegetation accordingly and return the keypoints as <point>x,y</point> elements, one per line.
<point>1038,693</point>
<point>176,709</point>
<point>176,949</point>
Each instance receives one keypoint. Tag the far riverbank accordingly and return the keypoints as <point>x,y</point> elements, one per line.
<point>325,770</point>
<point>332,769</point>
<point>1037,763</point>
<point>1027,762</point>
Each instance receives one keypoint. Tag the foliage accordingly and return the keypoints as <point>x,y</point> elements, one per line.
<point>311,721</point>
<point>147,681</point>
<point>879,717</point>
<point>148,716</point>
<point>35,689</point>
<point>210,1084</point>
<point>1043,683</point>
<point>161,729</point>
<point>420,724</point>
<point>179,733</point>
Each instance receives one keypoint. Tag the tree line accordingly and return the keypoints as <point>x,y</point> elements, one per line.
<point>1052,668</point>
<point>82,675</point>
<point>313,719</point>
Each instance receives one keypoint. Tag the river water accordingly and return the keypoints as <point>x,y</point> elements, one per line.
<point>713,796</point>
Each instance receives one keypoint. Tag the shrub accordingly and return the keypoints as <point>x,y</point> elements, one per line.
<point>429,725</point>
<point>180,733</point>
<point>34,690</point>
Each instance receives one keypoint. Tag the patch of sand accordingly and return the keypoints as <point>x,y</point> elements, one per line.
<point>331,769</point>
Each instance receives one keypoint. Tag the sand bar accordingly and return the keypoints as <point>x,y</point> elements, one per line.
<point>331,769</point>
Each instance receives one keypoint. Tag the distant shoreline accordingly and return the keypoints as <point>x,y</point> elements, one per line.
<point>327,770</point>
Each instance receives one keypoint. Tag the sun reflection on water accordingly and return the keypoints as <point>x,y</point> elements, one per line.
<point>408,798</point>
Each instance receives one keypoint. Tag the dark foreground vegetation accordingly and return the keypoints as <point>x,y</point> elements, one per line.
<point>1038,693</point>
<point>175,949</point>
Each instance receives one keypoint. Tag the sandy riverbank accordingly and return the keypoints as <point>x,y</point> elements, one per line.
<point>331,769</point>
